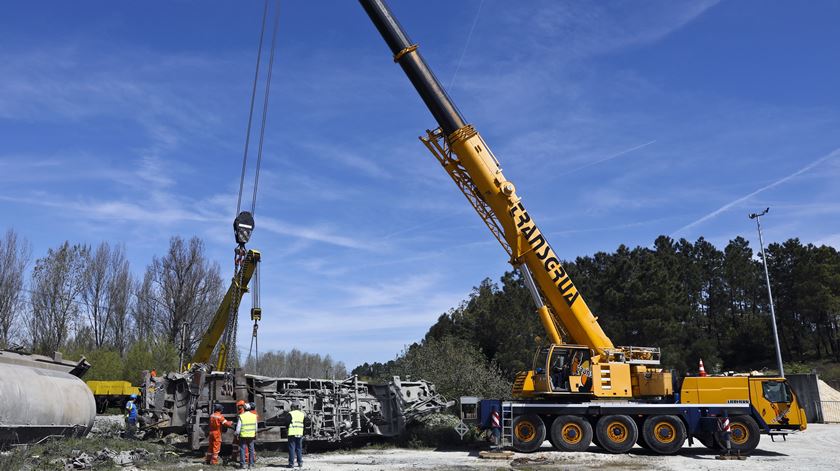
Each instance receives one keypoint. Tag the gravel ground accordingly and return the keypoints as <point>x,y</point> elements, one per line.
<point>814,449</point>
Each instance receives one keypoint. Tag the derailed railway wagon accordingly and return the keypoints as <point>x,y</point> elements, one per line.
<point>339,410</point>
<point>43,397</point>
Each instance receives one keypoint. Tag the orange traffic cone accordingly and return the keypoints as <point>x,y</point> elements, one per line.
<point>702,370</point>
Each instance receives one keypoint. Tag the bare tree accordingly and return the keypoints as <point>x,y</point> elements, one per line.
<point>106,293</point>
<point>145,310</point>
<point>118,296</point>
<point>56,288</point>
<point>188,289</point>
<point>95,280</point>
<point>14,256</point>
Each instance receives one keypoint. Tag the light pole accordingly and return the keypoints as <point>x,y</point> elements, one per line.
<point>757,218</point>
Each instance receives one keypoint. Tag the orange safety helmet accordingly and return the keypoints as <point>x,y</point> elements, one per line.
<point>240,404</point>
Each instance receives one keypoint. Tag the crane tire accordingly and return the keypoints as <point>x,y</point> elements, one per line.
<point>745,434</point>
<point>708,440</point>
<point>528,433</point>
<point>616,433</point>
<point>571,433</point>
<point>641,442</point>
<point>664,434</point>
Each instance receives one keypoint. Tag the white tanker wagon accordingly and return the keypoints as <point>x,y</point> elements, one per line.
<point>43,397</point>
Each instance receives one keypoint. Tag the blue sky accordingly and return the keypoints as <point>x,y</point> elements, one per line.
<point>618,122</point>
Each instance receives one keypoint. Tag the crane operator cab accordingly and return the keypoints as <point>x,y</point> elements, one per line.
<point>563,369</point>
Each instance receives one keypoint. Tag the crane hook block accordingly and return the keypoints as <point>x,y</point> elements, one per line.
<point>256,314</point>
<point>243,225</point>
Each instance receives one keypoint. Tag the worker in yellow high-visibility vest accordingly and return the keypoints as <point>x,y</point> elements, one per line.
<point>246,430</point>
<point>296,419</point>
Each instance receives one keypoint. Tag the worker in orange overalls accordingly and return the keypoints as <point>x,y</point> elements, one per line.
<point>214,437</point>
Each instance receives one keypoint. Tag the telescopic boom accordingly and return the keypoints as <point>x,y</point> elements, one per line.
<point>468,160</point>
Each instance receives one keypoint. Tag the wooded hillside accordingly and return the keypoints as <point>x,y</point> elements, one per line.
<point>692,300</point>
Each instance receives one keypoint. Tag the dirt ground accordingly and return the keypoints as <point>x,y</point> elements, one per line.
<point>815,449</point>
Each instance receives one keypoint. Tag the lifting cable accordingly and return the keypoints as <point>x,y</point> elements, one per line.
<point>243,224</point>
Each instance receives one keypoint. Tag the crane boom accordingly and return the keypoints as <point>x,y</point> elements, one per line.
<point>238,287</point>
<point>469,161</point>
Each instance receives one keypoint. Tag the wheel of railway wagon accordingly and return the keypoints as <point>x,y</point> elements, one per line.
<point>616,433</point>
<point>528,433</point>
<point>745,434</point>
<point>571,433</point>
<point>664,434</point>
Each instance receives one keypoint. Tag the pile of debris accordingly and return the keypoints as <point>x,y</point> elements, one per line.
<point>107,426</point>
<point>82,460</point>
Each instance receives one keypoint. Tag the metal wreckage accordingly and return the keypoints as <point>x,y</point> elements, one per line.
<point>340,410</point>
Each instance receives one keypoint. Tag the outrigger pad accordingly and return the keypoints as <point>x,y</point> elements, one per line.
<point>243,225</point>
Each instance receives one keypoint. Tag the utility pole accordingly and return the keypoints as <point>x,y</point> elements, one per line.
<point>757,218</point>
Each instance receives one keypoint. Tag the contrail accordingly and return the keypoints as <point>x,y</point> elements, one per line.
<point>619,154</point>
<point>776,183</point>
<point>466,45</point>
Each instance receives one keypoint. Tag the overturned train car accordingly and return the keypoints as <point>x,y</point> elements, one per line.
<point>43,397</point>
<point>339,409</point>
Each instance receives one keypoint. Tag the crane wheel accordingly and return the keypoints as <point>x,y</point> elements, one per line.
<point>744,434</point>
<point>571,433</point>
<point>708,440</point>
<point>528,433</point>
<point>616,433</point>
<point>664,434</point>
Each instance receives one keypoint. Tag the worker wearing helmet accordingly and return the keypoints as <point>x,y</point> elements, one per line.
<point>246,430</point>
<point>131,416</point>
<point>240,409</point>
<point>252,409</point>
<point>214,437</point>
<point>296,420</point>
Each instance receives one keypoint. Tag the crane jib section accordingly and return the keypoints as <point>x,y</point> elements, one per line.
<point>545,254</point>
<point>526,243</point>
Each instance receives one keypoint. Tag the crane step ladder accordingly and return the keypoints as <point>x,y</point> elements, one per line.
<point>507,425</point>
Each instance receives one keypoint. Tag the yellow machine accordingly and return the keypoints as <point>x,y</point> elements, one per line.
<point>771,397</point>
<point>111,393</point>
<point>238,287</point>
<point>570,326</point>
<point>578,379</point>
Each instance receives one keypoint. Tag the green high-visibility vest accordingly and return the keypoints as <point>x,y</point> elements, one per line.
<point>248,425</point>
<point>296,427</point>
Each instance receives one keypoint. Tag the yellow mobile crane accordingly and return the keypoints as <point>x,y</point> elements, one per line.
<point>576,379</point>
